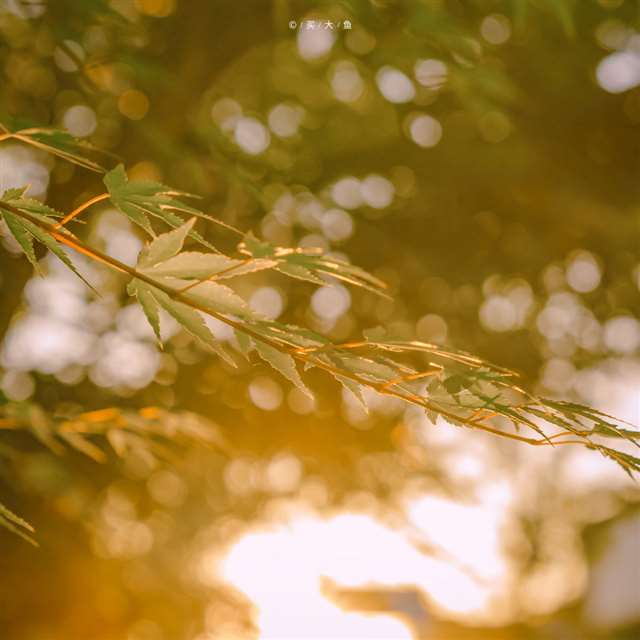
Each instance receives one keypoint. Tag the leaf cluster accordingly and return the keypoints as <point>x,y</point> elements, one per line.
<point>187,284</point>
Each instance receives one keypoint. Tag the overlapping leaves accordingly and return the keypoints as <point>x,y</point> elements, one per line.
<point>26,231</point>
<point>142,201</point>
<point>185,284</point>
<point>464,389</point>
<point>311,264</point>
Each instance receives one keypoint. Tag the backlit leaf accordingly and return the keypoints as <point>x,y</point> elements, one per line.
<point>354,389</point>
<point>140,200</point>
<point>23,238</point>
<point>165,246</point>
<point>311,265</point>
<point>148,303</point>
<point>245,344</point>
<point>63,144</point>
<point>190,319</point>
<point>52,244</point>
<point>200,266</point>
<point>220,299</point>
<point>283,363</point>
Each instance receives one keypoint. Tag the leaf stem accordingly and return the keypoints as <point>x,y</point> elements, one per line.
<point>77,211</point>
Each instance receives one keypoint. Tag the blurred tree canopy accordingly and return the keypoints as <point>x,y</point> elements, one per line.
<point>478,157</point>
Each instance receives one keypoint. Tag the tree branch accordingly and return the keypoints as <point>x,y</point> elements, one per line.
<point>306,356</point>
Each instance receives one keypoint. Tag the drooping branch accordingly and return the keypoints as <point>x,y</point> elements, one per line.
<point>142,201</point>
<point>395,387</point>
<point>306,357</point>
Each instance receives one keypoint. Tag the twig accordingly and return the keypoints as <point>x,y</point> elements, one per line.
<point>307,356</point>
<point>76,212</point>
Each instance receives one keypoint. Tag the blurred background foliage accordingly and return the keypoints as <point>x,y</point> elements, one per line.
<point>481,157</point>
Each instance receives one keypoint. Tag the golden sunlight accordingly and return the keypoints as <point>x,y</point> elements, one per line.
<point>300,572</point>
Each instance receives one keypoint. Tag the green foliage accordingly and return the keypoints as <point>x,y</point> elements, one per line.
<point>530,176</point>
<point>27,229</point>
<point>185,284</point>
<point>283,363</point>
<point>309,264</point>
<point>142,200</point>
<point>463,389</point>
<point>59,143</point>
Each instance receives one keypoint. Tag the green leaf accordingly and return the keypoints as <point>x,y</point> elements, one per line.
<point>432,416</point>
<point>188,318</point>
<point>613,431</point>
<point>23,238</point>
<point>601,422</point>
<point>299,273</point>
<point>64,145</point>
<point>139,200</point>
<point>245,343</point>
<point>23,230</point>
<point>283,363</point>
<point>16,198</point>
<point>163,258</point>
<point>165,246</point>
<point>354,389</point>
<point>148,303</point>
<point>456,383</point>
<point>200,266</point>
<point>217,297</point>
<point>629,463</point>
<point>193,322</point>
<point>368,368</point>
<point>310,265</point>
<point>13,194</point>
<point>257,248</point>
<point>288,334</point>
<point>50,242</point>
<point>337,269</point>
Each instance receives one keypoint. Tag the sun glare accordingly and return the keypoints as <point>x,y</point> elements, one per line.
<point>283,569</point>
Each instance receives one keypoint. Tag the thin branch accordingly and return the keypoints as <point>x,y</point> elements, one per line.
<point>76,212</point>
<point>305,355</point>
